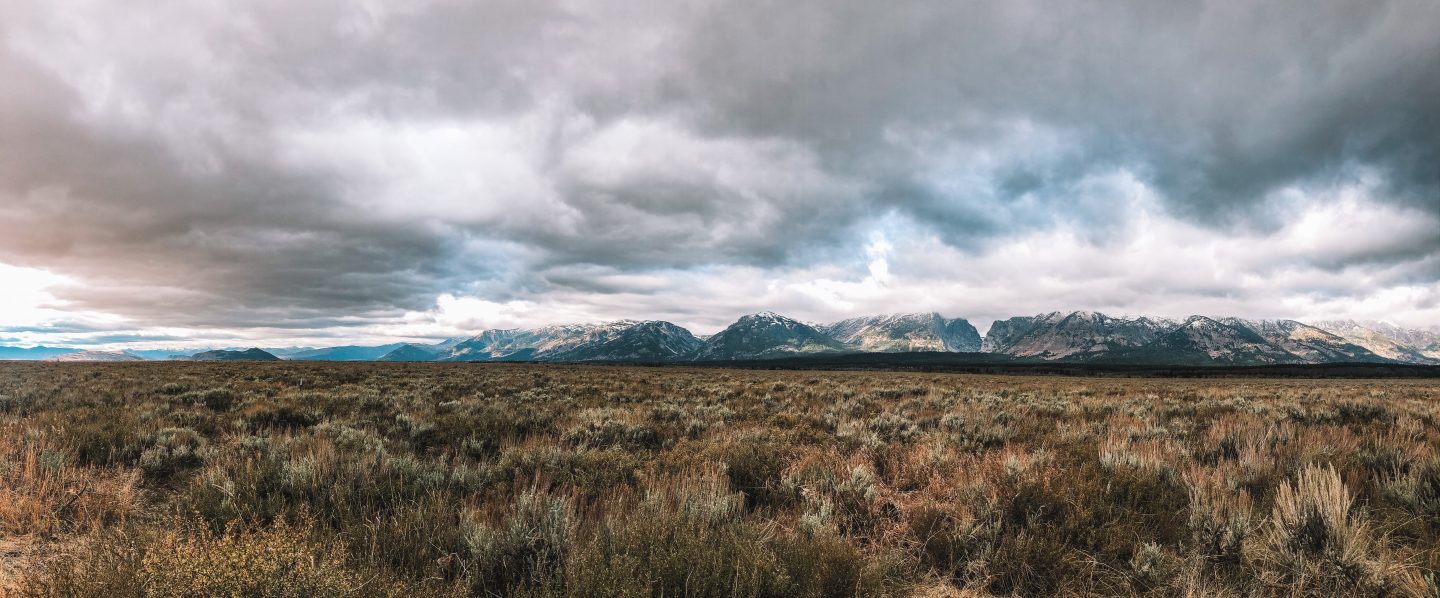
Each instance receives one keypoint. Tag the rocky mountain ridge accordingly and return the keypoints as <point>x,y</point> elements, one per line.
<point>1079,336</point>
<point>905,332</point>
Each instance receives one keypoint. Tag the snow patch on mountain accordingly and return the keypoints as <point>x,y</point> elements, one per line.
<point>1407,345</point>
<point>766,334</point>
<point>1059,335</point>
<point>905,332</point>
<point>1307,342</point>
<point>606,341</point>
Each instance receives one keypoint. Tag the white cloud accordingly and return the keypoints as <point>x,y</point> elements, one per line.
<point>1157,264</point>
<point>276,171</point>
<point>27,300</point>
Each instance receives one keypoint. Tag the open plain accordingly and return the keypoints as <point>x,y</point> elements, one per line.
<point>313,479</point>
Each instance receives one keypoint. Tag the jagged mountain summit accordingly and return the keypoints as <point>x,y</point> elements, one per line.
<point>622,340</point>
<point>766,334</point>
<point>97,356</point>
<point>1074,336</point>
<point>223,355</point>
<point>1199,340</point>
<point>520,344</point>
<point>1426,340</point>
<point>634,341</point>
<point>1309,343</point>
<point>1205,341</point>
<point>895,333</point>
<point>1059,335</point>
<point>1405,345</point>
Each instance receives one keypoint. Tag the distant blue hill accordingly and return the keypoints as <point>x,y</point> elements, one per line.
<point>345,353</point>
<point>34,353</point>
<point>246,355</point>
<point>163,354</point>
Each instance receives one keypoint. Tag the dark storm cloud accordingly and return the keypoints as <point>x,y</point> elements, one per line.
<point>153,236</point>
<point>317,164</point>
<point>1218,103</point>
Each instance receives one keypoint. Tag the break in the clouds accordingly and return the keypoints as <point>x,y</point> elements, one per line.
<point>206,172</point>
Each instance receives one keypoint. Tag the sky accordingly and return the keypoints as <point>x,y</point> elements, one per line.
<point>196,173</point>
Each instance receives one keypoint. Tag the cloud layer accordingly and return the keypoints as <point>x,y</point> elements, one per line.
<point>310,170</point>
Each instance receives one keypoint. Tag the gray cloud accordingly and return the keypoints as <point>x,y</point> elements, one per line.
<point>329,164</point>
<point>1217,103</point>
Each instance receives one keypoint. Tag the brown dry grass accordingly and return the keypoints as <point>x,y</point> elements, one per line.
<point>43,492</point>
<point>433,479</point>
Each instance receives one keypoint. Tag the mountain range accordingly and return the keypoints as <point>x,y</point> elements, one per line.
<point>96,356</point>
<point>764,335</point>
<point>906,332</point>
<point>343,353</point>
<point>1389,341</point>
<point>34,353</point>
<point>1079,336</point>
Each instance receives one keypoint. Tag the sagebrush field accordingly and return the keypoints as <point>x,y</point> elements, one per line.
<point>294,479</point>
